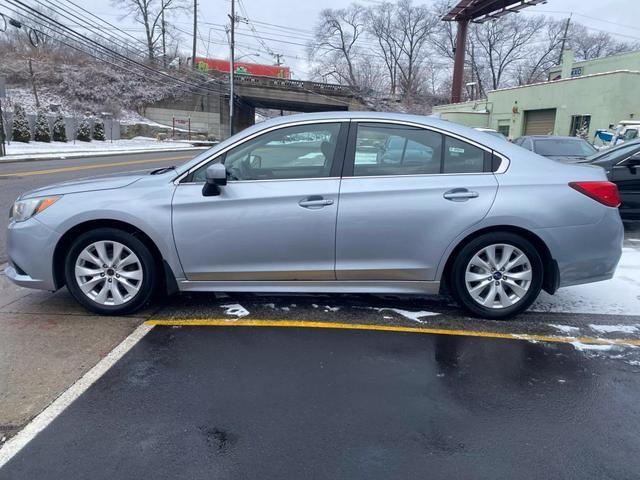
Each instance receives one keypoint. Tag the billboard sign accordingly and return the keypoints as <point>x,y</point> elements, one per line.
<point>243,68</point>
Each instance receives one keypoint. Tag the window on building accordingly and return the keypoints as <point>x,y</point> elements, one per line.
<point>503,128</point>
<point>580,125</point>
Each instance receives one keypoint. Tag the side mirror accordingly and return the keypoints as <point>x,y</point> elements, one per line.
<point>216,175</point>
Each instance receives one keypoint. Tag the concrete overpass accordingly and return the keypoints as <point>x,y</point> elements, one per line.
<point>209,112</point>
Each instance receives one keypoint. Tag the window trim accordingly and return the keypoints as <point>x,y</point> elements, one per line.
<point>350,151</point>
<point>338,158</point>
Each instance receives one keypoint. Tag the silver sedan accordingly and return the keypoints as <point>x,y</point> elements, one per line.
<point>330,202</point>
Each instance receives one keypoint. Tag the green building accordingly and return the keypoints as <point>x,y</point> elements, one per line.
<point>588,95</point>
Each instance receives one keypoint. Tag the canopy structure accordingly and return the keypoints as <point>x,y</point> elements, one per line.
<point>476,11</point>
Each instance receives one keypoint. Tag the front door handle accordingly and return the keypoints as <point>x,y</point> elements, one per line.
<point>315,201</point>
<point>460,195</point>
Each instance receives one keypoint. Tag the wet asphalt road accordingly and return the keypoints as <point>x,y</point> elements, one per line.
<point>215,402</point>
<point>19,177</point>
<point>207,402</point>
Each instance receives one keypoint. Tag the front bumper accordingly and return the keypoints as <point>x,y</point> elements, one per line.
<point>30,246</point>
<point>586,253</point>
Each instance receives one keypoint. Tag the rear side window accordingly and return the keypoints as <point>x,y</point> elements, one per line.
<point>462,157</point>
<point>388,149</point>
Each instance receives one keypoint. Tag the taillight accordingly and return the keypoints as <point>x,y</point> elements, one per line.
<point>603,192</point>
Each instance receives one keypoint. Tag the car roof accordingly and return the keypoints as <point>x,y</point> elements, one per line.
<point>551,137</point>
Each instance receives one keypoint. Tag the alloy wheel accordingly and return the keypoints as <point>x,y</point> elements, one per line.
<point>498,276</point>
<point>108,272</point>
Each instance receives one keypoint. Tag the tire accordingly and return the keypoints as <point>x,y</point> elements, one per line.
<point>110,272</point>
<point>502,293</point>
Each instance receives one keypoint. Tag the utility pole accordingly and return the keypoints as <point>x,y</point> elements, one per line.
<point>163,26</point>
<point>33,83</point>
<point>564,38</point>
<point>195,33</point>
<point>278,57</point>
<point>232,17</point>
<point>2,149</point>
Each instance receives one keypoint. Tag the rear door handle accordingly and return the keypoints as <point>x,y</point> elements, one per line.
<point>315,201</point>
<point>460,195</point>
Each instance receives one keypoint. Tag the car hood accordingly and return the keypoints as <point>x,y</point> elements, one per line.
<point>103,182</point>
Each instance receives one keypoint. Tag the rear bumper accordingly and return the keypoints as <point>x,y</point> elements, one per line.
<point>586,253</point>
<point>30,246</point>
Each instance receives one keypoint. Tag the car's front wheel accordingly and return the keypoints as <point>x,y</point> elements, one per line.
<point>110,272</point>
<point>497,275</point>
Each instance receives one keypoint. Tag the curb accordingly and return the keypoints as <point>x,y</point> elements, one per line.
<point>93,153</point>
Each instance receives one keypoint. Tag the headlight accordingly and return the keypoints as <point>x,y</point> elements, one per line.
<point>25,209</point>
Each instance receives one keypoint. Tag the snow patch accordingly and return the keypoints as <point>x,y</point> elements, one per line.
<point>564,328</point>
<point>235,310</point>
<point>618,296</point>
<point>414,316</point>
<point>587,346</point>
<point>614,328</point>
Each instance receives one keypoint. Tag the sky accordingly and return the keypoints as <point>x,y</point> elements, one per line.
<point>292,21</point>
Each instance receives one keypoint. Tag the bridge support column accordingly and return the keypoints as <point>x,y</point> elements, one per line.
<point>244,115</point>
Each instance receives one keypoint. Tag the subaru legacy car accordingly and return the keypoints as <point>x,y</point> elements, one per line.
<point>327,202</point>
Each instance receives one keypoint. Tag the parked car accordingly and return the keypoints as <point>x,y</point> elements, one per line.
<point>557,148</point>
<point>295,204</point>
<point>622,164</point>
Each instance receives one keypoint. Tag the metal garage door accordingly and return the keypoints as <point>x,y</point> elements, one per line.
<point>539,122</point>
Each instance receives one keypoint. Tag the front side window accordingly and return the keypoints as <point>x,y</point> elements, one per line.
<point>388,149</point>
<point>303,151</point>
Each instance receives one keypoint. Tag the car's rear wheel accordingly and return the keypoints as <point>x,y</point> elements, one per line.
<point>497,275</point>
<point>110,272</point>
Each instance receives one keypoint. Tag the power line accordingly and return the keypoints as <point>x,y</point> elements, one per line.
<point>60,29</point>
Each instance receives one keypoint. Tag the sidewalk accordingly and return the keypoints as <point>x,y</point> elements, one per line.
<point>36,151</point>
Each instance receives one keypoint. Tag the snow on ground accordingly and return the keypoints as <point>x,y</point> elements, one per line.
<point>565,328</point>
<point>415,316</point>
<point>618,296</point>
<point>17,150</point>
<point>614,328</point>
<point>235,310</point>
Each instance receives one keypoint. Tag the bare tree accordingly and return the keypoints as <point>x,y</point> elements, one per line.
<point>542,54</point>
<point>416,23</point>
<point>381,23</point>
<point>501,45</point>
<point>152,15</point>
<point>587,45</point>
<point>335,48</point>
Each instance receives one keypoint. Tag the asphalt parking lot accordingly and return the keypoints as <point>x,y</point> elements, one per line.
<point>326,386</point>
<point>206,402</point>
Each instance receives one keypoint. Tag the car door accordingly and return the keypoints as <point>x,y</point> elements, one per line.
<point>275,219</point>
<point>396,219</point>
<point>626,175</point>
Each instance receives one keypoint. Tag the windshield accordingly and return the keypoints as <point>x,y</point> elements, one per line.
<point>563,147</point>
<point>617,153</point>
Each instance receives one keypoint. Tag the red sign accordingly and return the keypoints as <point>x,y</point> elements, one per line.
<point>241,68</point>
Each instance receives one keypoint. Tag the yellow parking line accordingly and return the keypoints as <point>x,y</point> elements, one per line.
<point>89,167</point>
<point>215,322</point>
